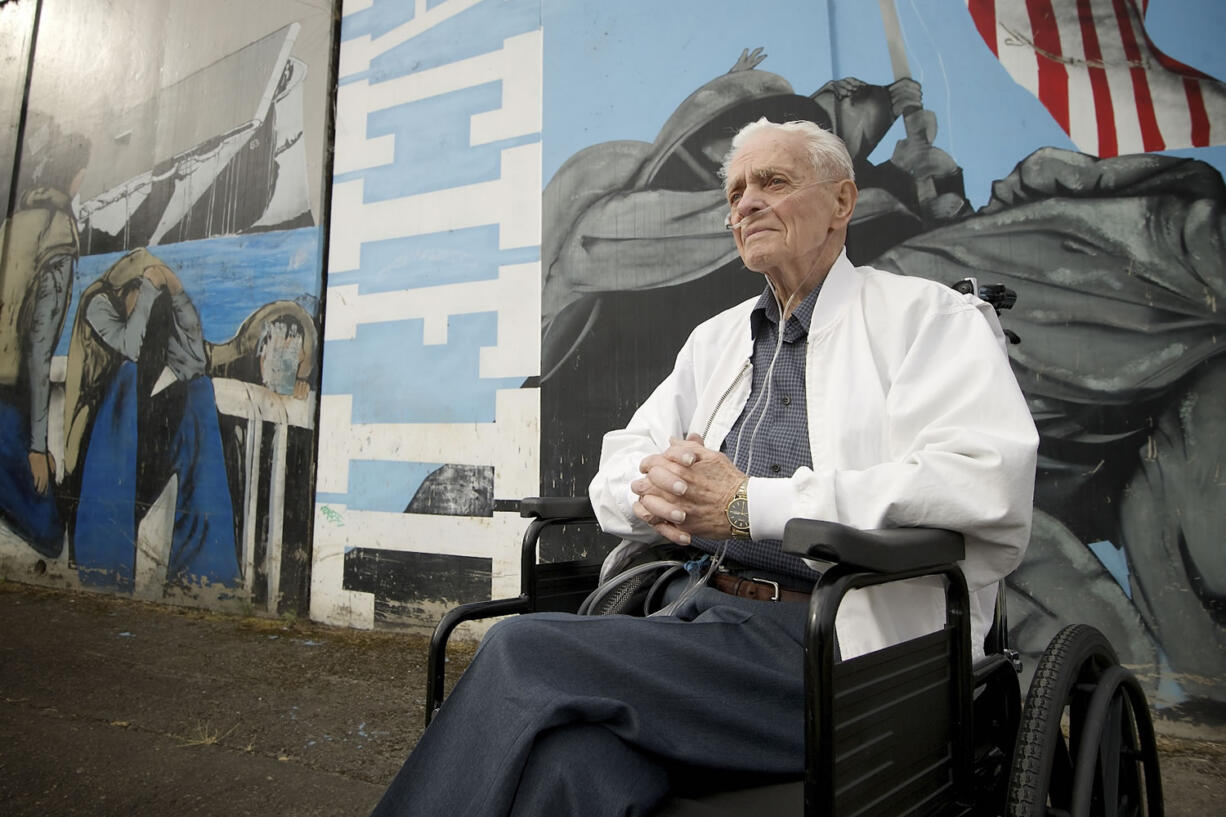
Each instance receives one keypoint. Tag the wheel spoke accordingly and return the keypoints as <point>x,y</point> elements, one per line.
<point>1060,793</point>
<point>1109,758</point>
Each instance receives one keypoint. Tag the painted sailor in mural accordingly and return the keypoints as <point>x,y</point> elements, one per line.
<point>632,216</point>
<point>206,160</point>
<point>1119,269</point>
<point>38,255</point>
<point>1118,266</point>
<point>141,419</point>
<point>275,347</point>
<point>635,244</point>
<point>1116,254</point>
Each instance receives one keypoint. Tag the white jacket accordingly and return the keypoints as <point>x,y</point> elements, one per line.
<point>914,416</point>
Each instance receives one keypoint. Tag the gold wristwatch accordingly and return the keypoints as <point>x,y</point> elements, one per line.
<point>738,511</point>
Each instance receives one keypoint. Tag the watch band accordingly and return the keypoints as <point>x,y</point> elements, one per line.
<point>737,511</point>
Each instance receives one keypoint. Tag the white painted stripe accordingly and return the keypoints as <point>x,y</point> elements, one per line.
<point>510,444</point>
<point>1119,78</point>
<point>347,310</point>
<point>500,201</point>
<point>357,54</point>
<point>1214,94</point>
<point>1015,44</point>
<point>1171,106</point>
<point>1083,126</point>
<point>475,536</point>
<point>517,65</point>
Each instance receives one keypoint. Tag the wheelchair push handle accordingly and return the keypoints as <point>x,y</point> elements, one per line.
<point>999,296</point>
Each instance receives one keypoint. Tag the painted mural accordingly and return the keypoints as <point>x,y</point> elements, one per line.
<point>162,272</point>
<point>1081,167</point>
<point>524,225</point>
<point>434,264</point>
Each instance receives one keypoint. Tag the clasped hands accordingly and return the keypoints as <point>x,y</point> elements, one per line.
<point>685,491</point>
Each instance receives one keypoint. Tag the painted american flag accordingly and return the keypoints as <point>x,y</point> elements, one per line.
<point>1093,66</point>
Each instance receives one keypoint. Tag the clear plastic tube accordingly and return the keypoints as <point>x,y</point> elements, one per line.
<point>598,595</point>
<point>696,583</point>
<point>728,225</point>
<point>764,395</point>
<point>656,587</point>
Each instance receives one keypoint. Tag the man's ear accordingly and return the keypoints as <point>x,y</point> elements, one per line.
<point>845,197</point>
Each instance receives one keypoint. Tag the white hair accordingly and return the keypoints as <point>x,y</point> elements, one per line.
<point>827,151</point>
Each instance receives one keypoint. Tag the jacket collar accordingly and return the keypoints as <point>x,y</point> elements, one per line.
<point>767,308</point>
<point>840,287</point>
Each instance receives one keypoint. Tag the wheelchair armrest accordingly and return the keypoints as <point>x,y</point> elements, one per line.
<point>575,508</point>
<point>562,583</point>
<point>547,512</point>
<point>888,550</point>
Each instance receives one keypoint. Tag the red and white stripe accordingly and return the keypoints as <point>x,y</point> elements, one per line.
<point>1092,65</point>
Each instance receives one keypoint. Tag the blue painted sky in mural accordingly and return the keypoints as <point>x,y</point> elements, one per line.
<point>227,278</point>
<point>617,71</point>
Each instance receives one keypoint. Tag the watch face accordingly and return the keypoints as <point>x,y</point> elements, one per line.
<point>738,513</point>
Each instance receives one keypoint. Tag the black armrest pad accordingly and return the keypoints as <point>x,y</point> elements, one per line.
<point>556,507</point>
<point>881,551</point>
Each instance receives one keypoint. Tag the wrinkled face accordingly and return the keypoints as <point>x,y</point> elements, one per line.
<point>773,170</point>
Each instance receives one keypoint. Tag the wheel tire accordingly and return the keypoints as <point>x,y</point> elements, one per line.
<point>1059,760</point>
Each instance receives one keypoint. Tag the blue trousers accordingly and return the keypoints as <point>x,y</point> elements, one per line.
<point>202,546</point>
<point>568,715</point>
<point>34,516</point>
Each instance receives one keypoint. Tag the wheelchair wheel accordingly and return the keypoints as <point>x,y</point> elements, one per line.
<point>1086,743</point>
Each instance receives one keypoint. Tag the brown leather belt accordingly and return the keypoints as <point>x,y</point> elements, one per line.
<point>755,588</point>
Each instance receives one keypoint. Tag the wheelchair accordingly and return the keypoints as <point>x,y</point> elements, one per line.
<point>914,728</point>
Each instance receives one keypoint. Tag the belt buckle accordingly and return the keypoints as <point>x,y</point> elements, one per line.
<point>774,586</point>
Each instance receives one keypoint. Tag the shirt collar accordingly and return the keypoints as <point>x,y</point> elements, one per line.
<point>767,309</point>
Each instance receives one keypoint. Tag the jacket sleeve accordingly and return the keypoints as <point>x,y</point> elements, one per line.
<point>960,447</point>
<point>663,415</point>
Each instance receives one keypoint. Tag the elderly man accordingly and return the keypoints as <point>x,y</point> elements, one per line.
<point>841,393</point>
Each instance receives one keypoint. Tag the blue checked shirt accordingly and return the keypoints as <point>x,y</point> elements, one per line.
<point>771,437</point>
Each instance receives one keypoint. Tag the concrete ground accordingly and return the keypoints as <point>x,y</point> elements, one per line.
<point>115,707</point>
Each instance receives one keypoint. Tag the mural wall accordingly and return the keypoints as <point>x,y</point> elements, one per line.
<point>161,275</point>
<point>1066,149</point>
<point>433,309</point>
<point>524,225</point>
<point>1069,149</point>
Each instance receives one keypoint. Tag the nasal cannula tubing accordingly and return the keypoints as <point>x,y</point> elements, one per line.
<point>784,312</point>
<point>671,567</point>
<point>728,225</point>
